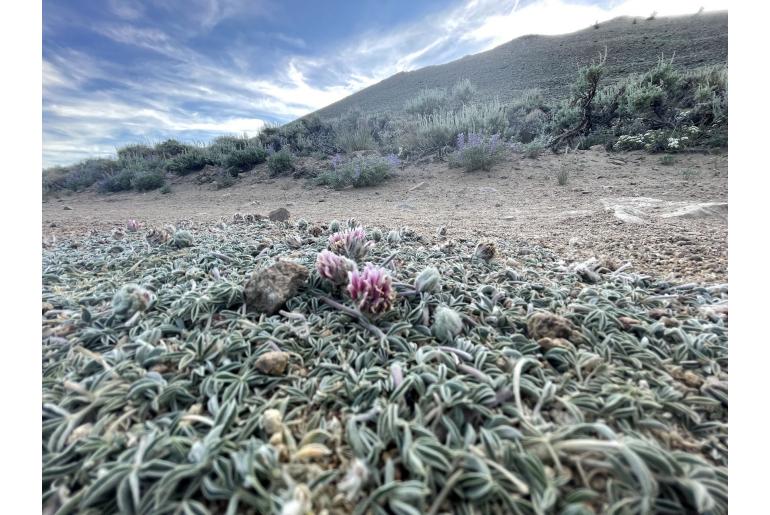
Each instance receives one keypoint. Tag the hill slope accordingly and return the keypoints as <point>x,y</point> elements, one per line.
<point>550,62</point>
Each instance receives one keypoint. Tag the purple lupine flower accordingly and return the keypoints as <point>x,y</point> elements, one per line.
<point>372,289</point>
<point>350,242</point>
<point>493,140</point>
<point>393,160</point>
<point>333,267</point>
<point>357,170</point>
<point>460,141</point>
<point>474,139</point>
<point>336,161</point>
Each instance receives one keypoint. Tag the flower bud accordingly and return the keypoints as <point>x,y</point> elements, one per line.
<point>429,280</point>
<point>447,324</point>
<point>131,298</point>
<point>182,239</point>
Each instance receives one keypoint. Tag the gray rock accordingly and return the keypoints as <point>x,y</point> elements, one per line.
<point>272,363</point>
<point>644,209</point>
<point>701,210</point>
<point>549,325</point>
<point>67,208</point>
<point>269,289</point>
<point>279,215</point>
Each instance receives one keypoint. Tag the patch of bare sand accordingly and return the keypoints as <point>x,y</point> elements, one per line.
<point>518,200</point>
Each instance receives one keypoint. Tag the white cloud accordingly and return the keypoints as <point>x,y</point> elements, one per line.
<point>550,17</point>
<point>126,9</point>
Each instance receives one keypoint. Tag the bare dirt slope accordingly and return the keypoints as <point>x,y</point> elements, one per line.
<point>551,62</point>
<point>518,200</point>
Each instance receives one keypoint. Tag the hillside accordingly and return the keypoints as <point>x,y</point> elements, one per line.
<point>550,62</point>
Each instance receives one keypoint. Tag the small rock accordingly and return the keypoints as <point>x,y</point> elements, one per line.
<point>669,322</point>
<point>508,218</point>
<point>67,208</point>
<point>628,322</point>
<point>279,215</point>
<point>548,325</point>
<point>687,377</point>
<point>272,420</point>
<point>551,343</point>
<point>79,433</point>
<point>485,251</point>
<point>272,363</point>
<point>268,289</point>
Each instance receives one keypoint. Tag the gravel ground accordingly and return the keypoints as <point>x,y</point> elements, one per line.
<point>518,200</point>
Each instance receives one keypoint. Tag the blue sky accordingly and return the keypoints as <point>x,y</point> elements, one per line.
<point>125,71</point>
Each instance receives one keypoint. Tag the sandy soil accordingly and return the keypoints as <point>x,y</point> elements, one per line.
<point>518,200</point>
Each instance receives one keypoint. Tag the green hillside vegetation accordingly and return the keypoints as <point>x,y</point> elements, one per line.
<point>667,107</point>
<point>548,63</point>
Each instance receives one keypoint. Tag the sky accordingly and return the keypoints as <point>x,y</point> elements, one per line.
<point>117,72</point>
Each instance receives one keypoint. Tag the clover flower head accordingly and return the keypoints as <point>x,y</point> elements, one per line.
<point>350,242</point>
<point>372,289</point>
<point>132,225</point>
<point>334,267</point>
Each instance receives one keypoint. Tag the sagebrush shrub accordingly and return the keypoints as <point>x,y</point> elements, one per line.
<point>147,181</point>
<point>118,182</point>
<point>242,159</point>
<point>354,138</point>
<point>463,92</point>
<point>535,147</point>
<point>137,151</point>
<point>192,160</point>
<point>224,180</point>
<point>439,130</point>
<point>357,172</point>
<point>476,151</point>
<point>427,102</point>
<point>170,148</point>
<point>81,175</point>
<point>280,162</point>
